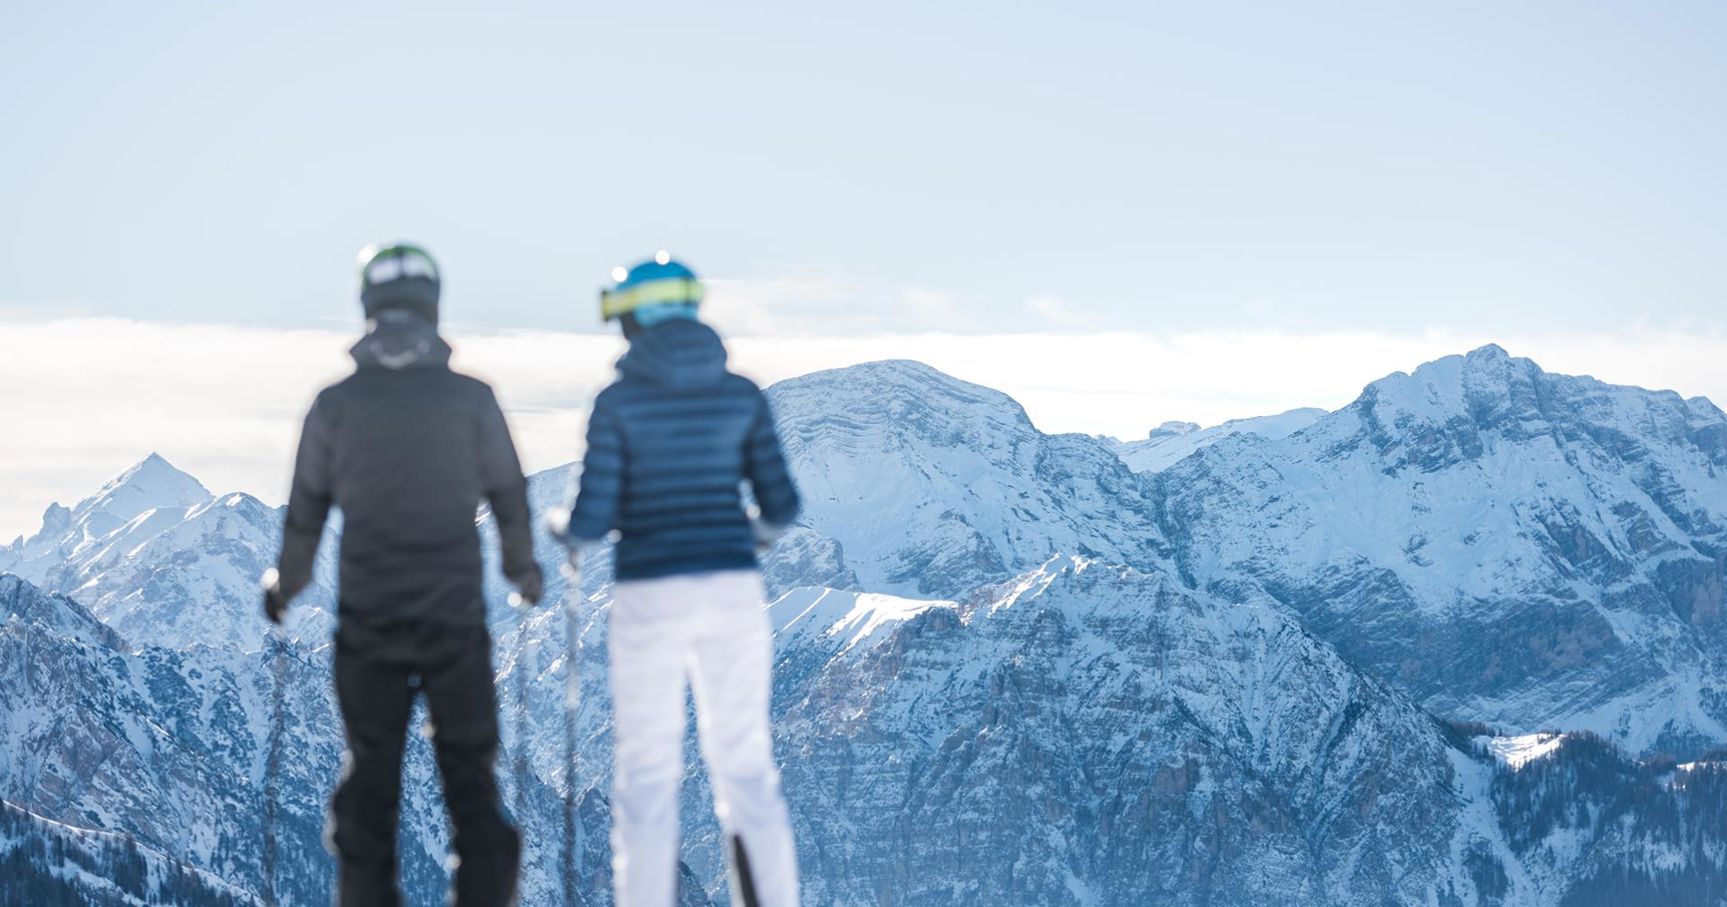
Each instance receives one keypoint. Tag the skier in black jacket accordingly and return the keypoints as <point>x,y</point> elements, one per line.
<point>408,449</point>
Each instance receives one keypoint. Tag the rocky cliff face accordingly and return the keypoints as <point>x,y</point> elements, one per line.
<point>1091,733</point>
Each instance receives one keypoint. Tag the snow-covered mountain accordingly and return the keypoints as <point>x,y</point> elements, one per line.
<point>1011,669</point>
<point>1508,545</point>
<point>164,562</point>
<point>151,486</point>
<point>168,749</point>
<point>928,485</point>
<point>164,745</point>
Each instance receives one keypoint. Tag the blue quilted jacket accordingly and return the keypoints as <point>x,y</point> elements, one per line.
<point>670,444</point>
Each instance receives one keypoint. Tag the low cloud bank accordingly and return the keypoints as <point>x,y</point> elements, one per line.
<point>86,398</point>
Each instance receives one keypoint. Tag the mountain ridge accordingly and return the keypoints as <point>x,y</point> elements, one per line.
<point>1011,669</point>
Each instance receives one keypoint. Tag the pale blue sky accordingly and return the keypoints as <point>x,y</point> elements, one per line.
<point>1476,167</point>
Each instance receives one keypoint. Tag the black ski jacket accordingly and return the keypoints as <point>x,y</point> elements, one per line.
<point>407,450</point>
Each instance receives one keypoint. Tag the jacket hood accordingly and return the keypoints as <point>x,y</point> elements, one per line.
<point>676,354</point>
<point>399,340</point>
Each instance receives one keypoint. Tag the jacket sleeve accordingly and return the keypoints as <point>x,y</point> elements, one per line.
<point>308,502</point>
<point>506,490</point>
<point>765,467</point>
<point>595,511</point>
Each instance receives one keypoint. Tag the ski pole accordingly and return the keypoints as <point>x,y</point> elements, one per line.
<point>278,643</point>
<point>527,654</point>
<point>572,699</point>
<point>558,523</point>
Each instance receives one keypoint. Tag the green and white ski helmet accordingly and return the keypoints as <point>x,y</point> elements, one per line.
<point>399,276</point>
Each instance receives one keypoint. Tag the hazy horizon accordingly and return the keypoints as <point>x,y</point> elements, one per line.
<point>1123,385</point>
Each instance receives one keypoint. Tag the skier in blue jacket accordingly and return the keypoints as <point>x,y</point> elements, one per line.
<point>670,444</point>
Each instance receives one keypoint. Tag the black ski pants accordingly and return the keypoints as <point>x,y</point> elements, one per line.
<point>380,668</point>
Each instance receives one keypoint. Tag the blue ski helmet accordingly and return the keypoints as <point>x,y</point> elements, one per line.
<point>400,276</point>
<point>657,290</point>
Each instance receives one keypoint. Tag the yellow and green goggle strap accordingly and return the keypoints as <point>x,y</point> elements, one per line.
<point>615,303</point>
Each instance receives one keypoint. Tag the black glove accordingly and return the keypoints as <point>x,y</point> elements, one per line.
<point>275,603</point>
<point>530,584</point>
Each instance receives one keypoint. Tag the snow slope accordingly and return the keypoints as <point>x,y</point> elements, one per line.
<point>1172,442</point>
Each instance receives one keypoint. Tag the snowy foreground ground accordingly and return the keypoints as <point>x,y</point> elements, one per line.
<point>1458,643</point>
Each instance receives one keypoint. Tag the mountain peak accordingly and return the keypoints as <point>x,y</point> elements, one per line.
<point>1452,409</point>
<point>149,484</point>
<point>1489,360</point>
<point>153,464</point>
<point>1453,385</point>
<point>891,385</point>
<point>898,372</point>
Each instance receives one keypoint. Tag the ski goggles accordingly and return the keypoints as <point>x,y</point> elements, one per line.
<point>615,304</point>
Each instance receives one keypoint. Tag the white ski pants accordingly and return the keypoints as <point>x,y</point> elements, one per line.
<point>711,631</point>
